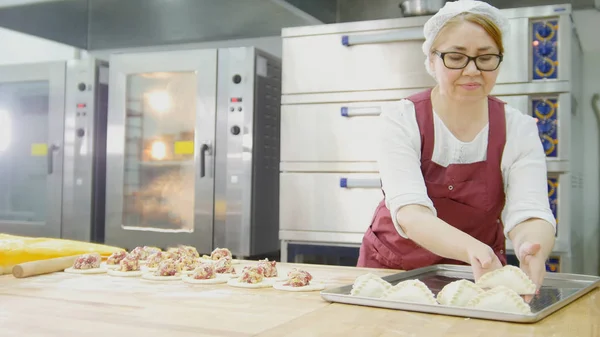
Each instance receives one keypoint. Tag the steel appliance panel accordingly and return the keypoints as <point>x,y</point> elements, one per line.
<point>328,202</point>
<point>387,55</point>
<point>160,168</point>
<point>335,132</point>
<point>86,107</point>
<point>31,148</point>
<point>321,63</point>
<point>341,132</point>
<point>513,69</point>
<point>247,154</point>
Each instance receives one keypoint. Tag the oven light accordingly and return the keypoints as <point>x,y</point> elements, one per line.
<point>5,130</point>
<point>159,101</point>
<point>158,150</point>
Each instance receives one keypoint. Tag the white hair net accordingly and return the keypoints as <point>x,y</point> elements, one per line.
<point>452,9</point>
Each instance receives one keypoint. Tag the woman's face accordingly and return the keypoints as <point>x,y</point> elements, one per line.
<point>469,83</point>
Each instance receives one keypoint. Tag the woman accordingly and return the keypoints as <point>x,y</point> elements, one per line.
<point>460,169</point>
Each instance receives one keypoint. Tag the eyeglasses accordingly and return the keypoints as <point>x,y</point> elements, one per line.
<point>485,62</point>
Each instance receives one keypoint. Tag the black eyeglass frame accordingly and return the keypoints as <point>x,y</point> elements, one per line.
<point>469,59</point>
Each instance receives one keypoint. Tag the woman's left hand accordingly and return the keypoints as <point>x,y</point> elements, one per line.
<point>532,262</point>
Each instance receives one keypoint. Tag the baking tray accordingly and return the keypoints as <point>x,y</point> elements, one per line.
<point>558,290</point>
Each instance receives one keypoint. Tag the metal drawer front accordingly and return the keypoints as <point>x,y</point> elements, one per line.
<point>387,59</point>
<point>328,201</point>
<point>330,132</point>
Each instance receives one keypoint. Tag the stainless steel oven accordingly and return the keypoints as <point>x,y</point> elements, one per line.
<point>193,150</point>
<point>51,125</point>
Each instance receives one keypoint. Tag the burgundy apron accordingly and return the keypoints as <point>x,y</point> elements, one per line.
<point>469,197</point>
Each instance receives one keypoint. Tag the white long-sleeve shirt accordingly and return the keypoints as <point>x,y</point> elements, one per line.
<point>523,162</point>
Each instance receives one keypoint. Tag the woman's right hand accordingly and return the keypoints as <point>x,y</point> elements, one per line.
<point>483,260</point>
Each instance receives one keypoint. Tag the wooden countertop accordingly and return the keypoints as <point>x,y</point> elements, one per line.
<point>65,305</point>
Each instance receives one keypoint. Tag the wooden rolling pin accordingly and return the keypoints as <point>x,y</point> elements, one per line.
<point>43,266</point>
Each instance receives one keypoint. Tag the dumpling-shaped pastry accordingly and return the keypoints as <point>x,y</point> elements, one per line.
<point>500,299</point>
<point>510,277</point>
<point>410,291</point>
<point>458,293</point>
<point>369,285</point>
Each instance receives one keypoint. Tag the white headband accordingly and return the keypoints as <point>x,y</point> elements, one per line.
<point>452,9</point>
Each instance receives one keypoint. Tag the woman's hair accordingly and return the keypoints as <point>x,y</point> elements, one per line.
<point>488,25</point>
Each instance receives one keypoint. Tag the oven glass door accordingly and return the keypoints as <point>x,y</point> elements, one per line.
<point>31,148</point>
<point>160,167</point>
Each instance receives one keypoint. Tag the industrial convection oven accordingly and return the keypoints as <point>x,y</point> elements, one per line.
<point>193,150</point>
<point>52,129</point>
<point>337,78</point>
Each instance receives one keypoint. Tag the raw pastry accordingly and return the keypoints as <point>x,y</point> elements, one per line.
<point>133,273</point>
<point>115,258</point>
<point>413,291</point>
<point>87,264</point>
<point>251,277</point>
<point>369,285</point>
<point>298,280</point>
<point>128,267</point>
<point>510,277</point>
<point>205,274</point>
<point>500,299</point>
<point>458,293</point>
<point>308,287</point>
<point>167,270</point>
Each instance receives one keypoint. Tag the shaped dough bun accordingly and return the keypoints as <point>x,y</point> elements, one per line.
<point>369,285</point>
<point>410,291</point>
<point>510,277</point>
<point>501,299</point>
<point>458,293</point>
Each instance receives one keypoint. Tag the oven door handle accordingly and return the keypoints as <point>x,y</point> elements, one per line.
<point>410,34</point>
<point>360,183</point>
<point>50,157</point>
<point>360,111</point>
<point>204,149</point>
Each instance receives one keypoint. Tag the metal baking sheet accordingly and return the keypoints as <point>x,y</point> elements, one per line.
<point>558,290</point>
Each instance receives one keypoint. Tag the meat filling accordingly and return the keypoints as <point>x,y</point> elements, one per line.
<point>269,267</point>
<point>252,274</point>
<point>167,268</point>
<point>219,253</point>
<point>116,257</point>
<point>87,261</point>
<point>224,266</point>
<point>204,271</point>
<point>187,263</point>
<point>129,263</point>
<point>139,253</point>
<point>189,251</point>
<point>298,278</point>
<point>155,259</point>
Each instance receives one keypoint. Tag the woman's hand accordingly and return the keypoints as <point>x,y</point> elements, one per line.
<point>483,260</point>
<point>532,262</point>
